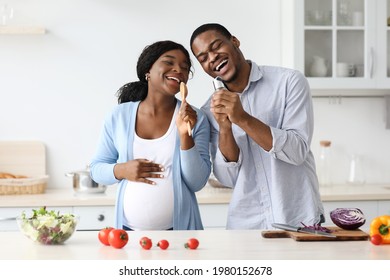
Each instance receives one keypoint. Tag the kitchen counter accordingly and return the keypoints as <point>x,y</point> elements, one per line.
<point>67,197</point>
<point>214,245</point>
<point>209,195</point>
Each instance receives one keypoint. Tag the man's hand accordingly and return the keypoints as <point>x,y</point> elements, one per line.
<point>227,105</point>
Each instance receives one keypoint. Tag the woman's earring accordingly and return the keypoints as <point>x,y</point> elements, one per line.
<point>147,77</point>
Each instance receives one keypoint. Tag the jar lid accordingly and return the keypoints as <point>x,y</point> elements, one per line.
<point>325,143</point>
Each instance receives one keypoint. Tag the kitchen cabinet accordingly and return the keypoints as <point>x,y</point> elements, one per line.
<point>214,216</point>
<point>343,44</point>
<point>383,208</point>
<point>94,217</point>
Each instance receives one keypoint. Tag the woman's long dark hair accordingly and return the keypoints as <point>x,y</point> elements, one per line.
<point>137,91</point>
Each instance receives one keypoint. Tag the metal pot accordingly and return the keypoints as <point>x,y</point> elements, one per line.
<point>83,183</point>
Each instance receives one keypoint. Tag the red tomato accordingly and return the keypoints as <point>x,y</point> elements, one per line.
<point>163,244</point>
<point>103,235</point>
<point>376,239</point>
<point>118,238</point>
<point>146,243</point>
<point>192,243</point>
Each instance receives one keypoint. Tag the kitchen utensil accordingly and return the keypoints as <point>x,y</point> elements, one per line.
<point>345,69</point>
<point>341,235</point>
<point>83,183</point>
<point>184,93</point>
<point>358,18</point>
<point>218,83</point>
<point>303,230</point>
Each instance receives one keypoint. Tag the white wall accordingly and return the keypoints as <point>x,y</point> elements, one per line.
<point>355,126</point>
<point>58,87</point>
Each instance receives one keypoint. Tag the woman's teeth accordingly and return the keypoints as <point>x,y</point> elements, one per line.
<point>175,79</point>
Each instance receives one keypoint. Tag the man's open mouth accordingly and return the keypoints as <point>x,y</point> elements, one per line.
<point>221,65</point>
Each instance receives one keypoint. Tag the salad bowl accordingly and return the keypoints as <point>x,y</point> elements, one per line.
<point>47,227</point>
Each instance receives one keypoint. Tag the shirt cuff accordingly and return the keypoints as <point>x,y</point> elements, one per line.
<point>279,138</point>
<point>222,161</point>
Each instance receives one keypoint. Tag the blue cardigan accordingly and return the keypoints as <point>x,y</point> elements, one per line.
<point>191,168</point>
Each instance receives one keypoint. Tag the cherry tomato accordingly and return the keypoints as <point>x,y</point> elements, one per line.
<point>118,238</point>
<point>103,235</point>
<point>146,243</point>
<point>376,239</point>
<point>192,244</point>
<point>163,244</point>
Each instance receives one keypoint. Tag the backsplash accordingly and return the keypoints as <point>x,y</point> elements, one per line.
<point>356,126</point>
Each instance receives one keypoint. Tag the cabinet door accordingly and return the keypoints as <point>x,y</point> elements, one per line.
<point>335,43</point>
<point>383,207</point>
<point>383,42</point>
<point>214,216</point>
<point>94,217</point>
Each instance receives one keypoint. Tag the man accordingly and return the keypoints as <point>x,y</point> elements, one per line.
<point>261,130</point>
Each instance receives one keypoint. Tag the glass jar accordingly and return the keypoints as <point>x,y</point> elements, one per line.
<point>324,164</point>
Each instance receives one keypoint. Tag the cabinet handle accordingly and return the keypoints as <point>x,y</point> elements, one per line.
<point>7,219</point>
<point>101,218</point>
<point>371,61</point>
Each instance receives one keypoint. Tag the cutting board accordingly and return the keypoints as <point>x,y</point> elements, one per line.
<point>23,157</point>
<point>341,235</point>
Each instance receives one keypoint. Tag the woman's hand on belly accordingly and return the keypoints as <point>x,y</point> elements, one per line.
<point>139,170</point>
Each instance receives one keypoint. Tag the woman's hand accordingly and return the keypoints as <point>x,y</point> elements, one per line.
<point>138,170</point>
<point>186,114</point>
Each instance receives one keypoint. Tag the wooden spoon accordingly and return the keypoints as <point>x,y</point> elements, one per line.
<point>184,93</point>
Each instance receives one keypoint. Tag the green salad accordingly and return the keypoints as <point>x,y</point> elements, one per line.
<point>47,227</point>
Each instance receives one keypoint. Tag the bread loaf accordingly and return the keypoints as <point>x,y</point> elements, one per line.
<point>5,175</point>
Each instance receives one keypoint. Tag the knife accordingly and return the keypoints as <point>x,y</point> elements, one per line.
<point>302,229</point>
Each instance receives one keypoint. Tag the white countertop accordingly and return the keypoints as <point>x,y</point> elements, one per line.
<point>214,244</point>
<point>209,195</point>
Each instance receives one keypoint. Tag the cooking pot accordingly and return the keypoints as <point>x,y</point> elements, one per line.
<point>83,183</point>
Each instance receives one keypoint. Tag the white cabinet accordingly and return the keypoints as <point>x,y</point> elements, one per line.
<point>383,208</point>
<point>94,217</point>
<point>383,43</point>
<point>349,38</point>
<point>214,216</point>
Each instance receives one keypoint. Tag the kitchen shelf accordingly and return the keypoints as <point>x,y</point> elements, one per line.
<point>22,30</point>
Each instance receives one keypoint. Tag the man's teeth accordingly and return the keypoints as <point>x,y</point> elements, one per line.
<point>174,78</point>
<point>219,66</point>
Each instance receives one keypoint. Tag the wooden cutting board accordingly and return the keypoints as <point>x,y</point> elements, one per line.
<point>23,158</point>
<point>341,235</point>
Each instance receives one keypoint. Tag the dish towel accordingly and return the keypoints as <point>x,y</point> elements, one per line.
<point>387,111</point>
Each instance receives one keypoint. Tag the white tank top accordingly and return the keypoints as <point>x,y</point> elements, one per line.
<point>150,207</point>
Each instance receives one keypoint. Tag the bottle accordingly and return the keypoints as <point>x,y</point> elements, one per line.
<point>324,164</point>
<point>356,171</point>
